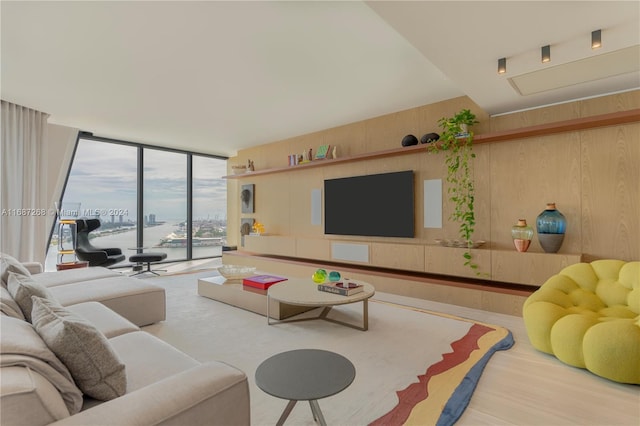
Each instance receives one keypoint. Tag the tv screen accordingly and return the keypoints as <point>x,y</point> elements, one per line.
<point>379,205</point>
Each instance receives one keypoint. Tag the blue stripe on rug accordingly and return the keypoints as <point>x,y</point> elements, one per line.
<point>462,395</point>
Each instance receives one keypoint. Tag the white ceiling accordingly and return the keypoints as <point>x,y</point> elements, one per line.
<point>215,77</point>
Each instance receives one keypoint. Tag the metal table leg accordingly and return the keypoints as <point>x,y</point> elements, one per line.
<point>317,414</point>
<point>286,412</point>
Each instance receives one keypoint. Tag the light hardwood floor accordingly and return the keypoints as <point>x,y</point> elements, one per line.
<point>527,387</point>
<point>523,386</point>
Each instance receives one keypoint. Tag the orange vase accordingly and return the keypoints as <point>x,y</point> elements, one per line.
<point>521,234</point>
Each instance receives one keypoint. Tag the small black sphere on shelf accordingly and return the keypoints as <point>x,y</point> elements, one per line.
<point>429,137</point>
<point>409,140</point>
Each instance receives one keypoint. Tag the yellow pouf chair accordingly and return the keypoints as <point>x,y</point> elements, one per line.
<point>588,316</point>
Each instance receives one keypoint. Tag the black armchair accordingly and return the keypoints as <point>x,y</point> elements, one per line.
<point>96,256</point>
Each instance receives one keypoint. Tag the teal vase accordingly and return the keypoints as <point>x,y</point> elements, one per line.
<point>551,226</point>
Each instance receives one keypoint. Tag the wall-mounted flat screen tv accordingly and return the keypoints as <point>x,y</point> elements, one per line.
<point>380,205</point>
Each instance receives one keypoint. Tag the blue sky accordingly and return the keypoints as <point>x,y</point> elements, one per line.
<point>103,177</point>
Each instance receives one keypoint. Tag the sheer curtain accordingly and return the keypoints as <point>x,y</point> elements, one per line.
<point>23,201</point>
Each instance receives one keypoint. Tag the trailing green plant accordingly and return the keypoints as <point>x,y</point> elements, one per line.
<point>456,141</point>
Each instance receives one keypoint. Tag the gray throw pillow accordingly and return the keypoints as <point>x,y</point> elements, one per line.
<point>85,351</point>
<point>22,287</point>
<point>10,264</point>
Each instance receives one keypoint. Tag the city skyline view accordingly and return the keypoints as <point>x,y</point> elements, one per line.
<point>103,182</point>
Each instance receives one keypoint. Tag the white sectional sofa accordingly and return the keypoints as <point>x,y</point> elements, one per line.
<point>162,385</point>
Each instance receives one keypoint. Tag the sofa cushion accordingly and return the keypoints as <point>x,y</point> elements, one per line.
<point>22,287</point>
<point>85,351</point>
<point>29,399</point>
<point>140,302</point>
<point>23,347</point>
<point>68,276</point>
<point>10,264</point>
<point>104,319</point>
<point>8,306</point>
<point>134,350</point>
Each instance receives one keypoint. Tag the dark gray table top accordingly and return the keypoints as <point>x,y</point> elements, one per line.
<point>305,374</point>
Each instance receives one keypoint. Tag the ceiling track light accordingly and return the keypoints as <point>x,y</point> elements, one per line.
<point>546,54</point>
<point>502,65</point>
<point>596,39</point>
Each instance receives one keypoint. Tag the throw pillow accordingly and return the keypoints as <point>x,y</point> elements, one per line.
<point>85,351</point>
<point>22,287</point>
<point>8,306</point>
<point>10,264</point>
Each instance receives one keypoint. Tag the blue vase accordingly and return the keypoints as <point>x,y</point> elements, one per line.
<point>551,226</point>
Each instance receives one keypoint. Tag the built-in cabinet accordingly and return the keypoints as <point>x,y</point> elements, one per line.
<point>494,265</point>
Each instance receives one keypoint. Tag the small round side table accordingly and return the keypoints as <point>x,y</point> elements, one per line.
<point>305,375</point>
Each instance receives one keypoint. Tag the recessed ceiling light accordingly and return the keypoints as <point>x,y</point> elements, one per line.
<point>502,65</point>
<point>546,54</point>
<point>596,39</point>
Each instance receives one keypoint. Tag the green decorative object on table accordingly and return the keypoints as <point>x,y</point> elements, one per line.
<point>319,276</point>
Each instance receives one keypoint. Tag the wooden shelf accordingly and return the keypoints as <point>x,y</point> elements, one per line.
<point>327,162</point>
<point>604,120</point>
<point>577,124</point>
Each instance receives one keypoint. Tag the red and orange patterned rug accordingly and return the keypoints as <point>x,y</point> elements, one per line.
<point>440,396</point>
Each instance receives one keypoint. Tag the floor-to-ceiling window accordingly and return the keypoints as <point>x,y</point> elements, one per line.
<point>165,202</point>
<point>209,212</point>
<point>181,197</point>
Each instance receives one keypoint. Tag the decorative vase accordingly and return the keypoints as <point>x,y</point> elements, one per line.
<point>319,276</point>
<point>521,234</point>
<point>409,140</point>
<point>551,226</point>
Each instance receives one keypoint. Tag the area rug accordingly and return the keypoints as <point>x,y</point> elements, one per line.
<point>441,394</point>
<point>412,366</point>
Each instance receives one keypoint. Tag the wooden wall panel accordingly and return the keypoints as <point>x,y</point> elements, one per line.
<point>350,139</point>
<point>483,197</point>
<point>603,105</point>
<point>611,192</point>
<point>273,200</point>
<point>300,186</point>
<point>528,173</point>
<point>387,131</point>
<point>592,176</point>
<point>534,117</point>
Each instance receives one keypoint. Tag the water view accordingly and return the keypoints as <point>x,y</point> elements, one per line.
<point>167,237</point>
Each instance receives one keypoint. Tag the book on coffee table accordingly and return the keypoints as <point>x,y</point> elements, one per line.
<point>262,282</point>
<point>343,289</point>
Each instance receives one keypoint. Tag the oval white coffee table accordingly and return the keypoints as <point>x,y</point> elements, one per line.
<point>304,292</point>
